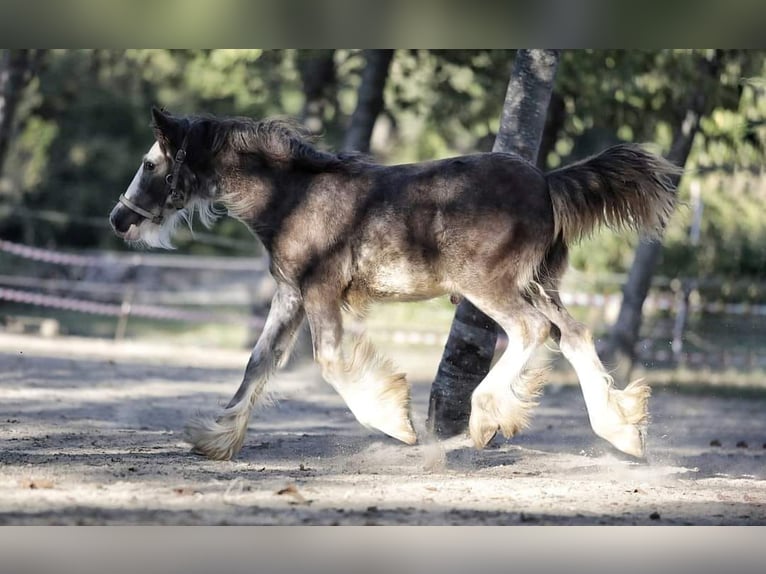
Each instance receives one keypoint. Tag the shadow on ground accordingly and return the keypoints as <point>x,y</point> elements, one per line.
<point>89,440</point>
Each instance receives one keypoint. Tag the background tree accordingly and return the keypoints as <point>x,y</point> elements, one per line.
<point>707,91</point>
<point>471,343</point>
<point>317,70</point>
<point>17,67</point>
<point>369,100</point>
<point>82,123</point>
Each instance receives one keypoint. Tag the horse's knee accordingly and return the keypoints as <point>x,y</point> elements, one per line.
<point>326,355</point>
<point>330,366</point>
<point>575,337</point>
<point>528,331</point>
<point>539,330</point>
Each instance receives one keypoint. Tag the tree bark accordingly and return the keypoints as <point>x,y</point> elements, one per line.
<point>619,348</point>
<point>471,343</point>
<point>370,100</point>
<point>317,70</point>
<point>554,123</point>
<point>16,70</point>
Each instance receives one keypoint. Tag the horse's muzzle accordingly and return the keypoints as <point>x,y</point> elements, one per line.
<point>121,219</point>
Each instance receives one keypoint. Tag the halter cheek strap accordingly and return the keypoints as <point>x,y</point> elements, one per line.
<point>153,217</point>
<point>177,197</point>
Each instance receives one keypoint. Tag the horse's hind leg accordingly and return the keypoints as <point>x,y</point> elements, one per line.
<point>504,399</point>
<point>378,396</point>
<point>619,416</point>
<point>221,438</point>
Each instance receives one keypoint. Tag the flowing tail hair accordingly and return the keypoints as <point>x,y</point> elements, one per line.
<point>624,188</point>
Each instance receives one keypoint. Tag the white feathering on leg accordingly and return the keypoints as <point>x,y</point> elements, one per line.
<point>378,396</point>
<point>222,437</point>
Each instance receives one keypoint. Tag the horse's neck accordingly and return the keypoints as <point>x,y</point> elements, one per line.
<point>246,196</point>
<point>263,198</point>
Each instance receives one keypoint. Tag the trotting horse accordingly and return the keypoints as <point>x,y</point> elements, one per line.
<point>342,232</point>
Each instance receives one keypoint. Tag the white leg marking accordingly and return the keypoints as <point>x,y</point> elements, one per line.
<point>505,398</point>
<point>618,416</point>
<point>378,396</point>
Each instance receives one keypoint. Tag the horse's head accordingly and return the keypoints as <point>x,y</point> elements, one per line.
<point>165,189</point>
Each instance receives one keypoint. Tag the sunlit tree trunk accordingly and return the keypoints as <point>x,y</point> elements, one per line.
<point>16,70</point>
<point>470,347</point>
<point>619,348</point>
<point>370,100</point>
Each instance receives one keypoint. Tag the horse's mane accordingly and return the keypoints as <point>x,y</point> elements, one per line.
<point>280,142</point>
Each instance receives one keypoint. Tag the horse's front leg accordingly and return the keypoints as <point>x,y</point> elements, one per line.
<point>221,438</point>
<point>378,396</point>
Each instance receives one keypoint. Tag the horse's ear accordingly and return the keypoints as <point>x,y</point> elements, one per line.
<point>168,131</point>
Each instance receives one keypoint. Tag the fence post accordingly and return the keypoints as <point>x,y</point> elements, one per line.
<point>127,305</point>
<point>687,283</point>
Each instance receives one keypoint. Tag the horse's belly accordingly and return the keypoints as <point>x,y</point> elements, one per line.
<point>402,280</point>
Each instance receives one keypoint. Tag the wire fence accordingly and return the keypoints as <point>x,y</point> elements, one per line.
<point>125,299</point>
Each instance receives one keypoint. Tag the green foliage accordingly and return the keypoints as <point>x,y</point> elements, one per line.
<point>445,102</point>
<point>85,125</point>
<point>83,140</point>
<point>652,91</point>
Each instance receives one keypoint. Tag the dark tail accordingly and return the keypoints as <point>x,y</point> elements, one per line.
<point>624,188</point>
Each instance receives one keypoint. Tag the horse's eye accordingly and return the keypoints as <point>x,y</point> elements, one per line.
<point>148,165</point>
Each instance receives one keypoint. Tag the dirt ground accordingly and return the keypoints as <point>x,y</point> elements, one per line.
<point>91,433</point>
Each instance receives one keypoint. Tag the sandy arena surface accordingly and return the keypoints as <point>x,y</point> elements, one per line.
<point>91,433</point>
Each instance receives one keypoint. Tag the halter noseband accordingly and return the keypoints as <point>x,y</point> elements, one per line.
<point>177,197</point>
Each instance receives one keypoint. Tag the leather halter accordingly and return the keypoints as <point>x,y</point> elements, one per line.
<point>177,197</point>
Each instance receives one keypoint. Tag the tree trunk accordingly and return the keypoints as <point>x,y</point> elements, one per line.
<point>16,70</point>
<point>370,100</point>
<point>554,123</point>
<point>470,347</point>
<point>317,70</point>
<point>619,348</point>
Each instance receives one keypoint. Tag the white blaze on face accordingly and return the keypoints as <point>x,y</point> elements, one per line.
<point>132,190</point>
<point>154,155</point>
